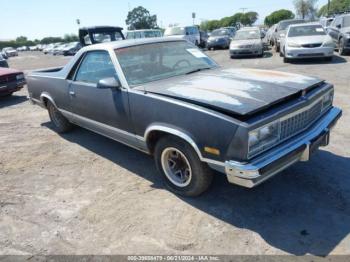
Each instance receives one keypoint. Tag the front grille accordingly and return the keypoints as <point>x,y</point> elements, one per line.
<point>311,55</point>
<point>297,123</point>
<point>245,46</point>
<point>312,45</point>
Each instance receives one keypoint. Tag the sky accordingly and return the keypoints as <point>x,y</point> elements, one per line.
<point>40,18</point>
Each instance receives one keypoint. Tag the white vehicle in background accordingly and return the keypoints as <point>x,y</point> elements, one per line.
<point>10,51</point>
<point>307,41</point>
<point>269,35</point>
<point>189,33</point>
<point>146,33</point>
<point>33,48</point>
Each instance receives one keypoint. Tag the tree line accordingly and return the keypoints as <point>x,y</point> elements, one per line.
<point>24,41</point>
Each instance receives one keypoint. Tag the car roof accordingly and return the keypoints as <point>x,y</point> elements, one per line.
<point>305,24</point>
<point>130,42</point>
<point>143,30</point>
<point>249,28</point>
<point>290,20</point>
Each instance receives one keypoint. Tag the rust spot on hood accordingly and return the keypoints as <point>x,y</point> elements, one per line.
<point>268,73</point>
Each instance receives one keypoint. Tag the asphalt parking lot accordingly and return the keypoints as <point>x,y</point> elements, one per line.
<point>81,193</point>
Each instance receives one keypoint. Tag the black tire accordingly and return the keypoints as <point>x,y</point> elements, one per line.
<point>328,59</point>
<point>277,48</point>
<point>285,60</point>
<point>341,48</point>
<point>60,123</point>
<point>282,54</point>
<point>201,174</point>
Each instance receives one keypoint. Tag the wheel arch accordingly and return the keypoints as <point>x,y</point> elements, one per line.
<point>45,97</point>
<point>154,132</point>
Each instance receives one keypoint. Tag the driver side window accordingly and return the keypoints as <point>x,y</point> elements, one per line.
<point>95,66</point>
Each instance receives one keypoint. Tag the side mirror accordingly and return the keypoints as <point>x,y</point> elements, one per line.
<point>276,30</point>
<point>338,26</point>
<point>108,83</point>
<point>187,33</point>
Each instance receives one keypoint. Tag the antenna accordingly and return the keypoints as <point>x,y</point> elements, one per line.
<point>243,9</point>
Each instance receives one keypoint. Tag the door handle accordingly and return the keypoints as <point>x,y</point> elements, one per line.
<point>72,93</point>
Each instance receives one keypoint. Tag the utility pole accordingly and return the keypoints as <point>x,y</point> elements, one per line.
<point>328,7</point>
<point>243,9</point>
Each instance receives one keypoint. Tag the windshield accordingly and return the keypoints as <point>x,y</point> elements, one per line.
<point>174,31</point>
<point>150,62</point>
<point>152,34</point>
<point>220,32</point>
<point>307,30</point>
<point>247,34</point>
<point>284,25</point>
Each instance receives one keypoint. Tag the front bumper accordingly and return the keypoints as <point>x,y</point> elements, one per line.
<point>245,51</point>
<point>308,52</point>
<point>11,87</point>
<point>214,44</point>
<point>274,161</point>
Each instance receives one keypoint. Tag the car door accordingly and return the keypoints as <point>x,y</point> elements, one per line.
<point>335,29</point>
<point>102,110</point>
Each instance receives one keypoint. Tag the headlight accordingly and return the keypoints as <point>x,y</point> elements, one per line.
<point>327,100</point>
<point>263,137</point>
<point>291,44</point>
<point>328,44</point>
<point>20,77</point>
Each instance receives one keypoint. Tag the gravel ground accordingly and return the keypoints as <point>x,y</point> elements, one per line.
<point>82,193</point>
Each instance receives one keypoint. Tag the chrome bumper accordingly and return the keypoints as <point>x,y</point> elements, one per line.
<point>274,161</point>
<point>309,52</point>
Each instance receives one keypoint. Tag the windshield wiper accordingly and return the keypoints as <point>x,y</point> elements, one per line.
<point>198,70</point>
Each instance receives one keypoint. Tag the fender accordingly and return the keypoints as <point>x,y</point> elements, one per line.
<point>183,135</point>
<point>48,97</point>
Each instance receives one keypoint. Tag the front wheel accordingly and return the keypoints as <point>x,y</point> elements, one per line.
<point>60,123</point>
<point>181,168</point>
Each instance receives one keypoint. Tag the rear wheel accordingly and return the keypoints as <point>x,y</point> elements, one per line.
<point>60,123</point>
<point>181,168</point>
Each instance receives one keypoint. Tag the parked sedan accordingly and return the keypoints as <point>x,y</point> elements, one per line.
<point>167,98</point>
<point>11,80</point>
<point>69,49</point>
<point>307,41</point>
<point>3,62</point>
<point>219,38</point>
<point>247,42</point>
<point>340,33</point>
<point>281,29</point>
<point>10,51</point>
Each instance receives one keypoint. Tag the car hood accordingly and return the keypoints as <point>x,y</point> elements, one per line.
<point>302,40</point>
<point>246,42</point>
<point>235,91</point>
<point>8,71</point>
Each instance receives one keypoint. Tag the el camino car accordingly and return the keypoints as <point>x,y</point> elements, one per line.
<point>11,80</point>
<point>167,98</point>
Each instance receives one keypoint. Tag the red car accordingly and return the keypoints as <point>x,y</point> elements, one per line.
<point>11,80</point>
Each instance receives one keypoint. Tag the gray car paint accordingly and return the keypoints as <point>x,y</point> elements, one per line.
<point>129,112</point>
<point>232,92</point>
